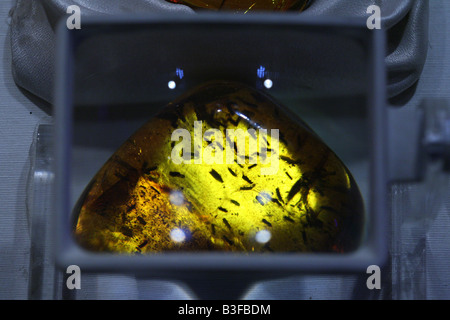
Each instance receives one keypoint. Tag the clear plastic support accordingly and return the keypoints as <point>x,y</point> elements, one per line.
<point>43,276</point>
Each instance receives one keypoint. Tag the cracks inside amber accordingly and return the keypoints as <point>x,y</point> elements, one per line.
<point>180,184</point>
<point>244,6</point>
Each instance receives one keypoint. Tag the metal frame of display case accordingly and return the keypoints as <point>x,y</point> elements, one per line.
<point>374,249</point>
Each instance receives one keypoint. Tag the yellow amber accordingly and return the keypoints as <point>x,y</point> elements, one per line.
<point>244,6</point>
<point>161,191</point>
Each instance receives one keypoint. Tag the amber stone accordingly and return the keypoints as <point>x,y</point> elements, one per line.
<point>244,6</point>
<point>215,191</point>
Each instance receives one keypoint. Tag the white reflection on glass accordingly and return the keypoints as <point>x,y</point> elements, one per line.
<point>172,85</point>
<point>264,196</point>
<point>176,198</point>
<point>263,236</point>
<point>177,235</point>
<point>268,83</point>
<point>44,175</point>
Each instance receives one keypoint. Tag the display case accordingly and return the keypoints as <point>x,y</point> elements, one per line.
<point>117,72</point>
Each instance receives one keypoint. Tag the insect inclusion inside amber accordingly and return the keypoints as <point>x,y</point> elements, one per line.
<point>283,192</point>
<point>244,6</point>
